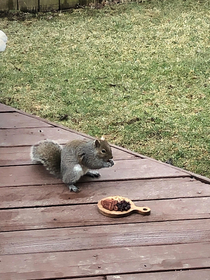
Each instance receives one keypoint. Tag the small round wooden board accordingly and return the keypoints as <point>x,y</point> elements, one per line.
<point>117,214</point>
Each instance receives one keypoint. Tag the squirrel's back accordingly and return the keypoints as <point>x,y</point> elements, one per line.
<point>75,159</point>
<point>48,153</point>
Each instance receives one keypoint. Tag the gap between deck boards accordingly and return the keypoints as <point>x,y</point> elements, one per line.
<point>122,170</point>
<point>88,215</point>
<point>105,262</point>
<point>95,237</point>
<point>91,192</point>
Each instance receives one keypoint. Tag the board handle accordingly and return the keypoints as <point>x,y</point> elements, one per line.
<point>143,210</point>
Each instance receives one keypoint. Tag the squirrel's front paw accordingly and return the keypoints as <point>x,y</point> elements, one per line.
<point>110,163</point>
<point>93,174</point>
<point>73,188</point>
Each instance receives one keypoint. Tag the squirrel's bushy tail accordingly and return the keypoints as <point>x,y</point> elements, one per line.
<point>49,154</point>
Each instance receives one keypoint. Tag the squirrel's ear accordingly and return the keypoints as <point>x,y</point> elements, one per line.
<point>102,137</point>
<point>97,143</point>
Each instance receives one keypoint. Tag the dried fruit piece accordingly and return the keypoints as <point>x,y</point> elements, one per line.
<point>123,205</point>
<point>109,204</point>
<point>116,205</point>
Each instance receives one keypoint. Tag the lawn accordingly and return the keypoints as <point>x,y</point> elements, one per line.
<point>138,73</point>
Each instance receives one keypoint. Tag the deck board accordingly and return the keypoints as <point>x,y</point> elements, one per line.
<point>5,108</point>
<point>122,170</point>
<point>17,120</point>
<point>95,237</point>
<point>86,215</point>
<point>47,232</point>
<point>31,136</point>
<point>144,259</point>
<point>177,275</point>
<point>21,155</point>
<point>91,192</point>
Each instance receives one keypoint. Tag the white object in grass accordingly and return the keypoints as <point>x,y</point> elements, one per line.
<point>3,41</point>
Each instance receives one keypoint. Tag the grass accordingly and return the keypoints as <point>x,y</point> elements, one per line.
<point>137,73</point>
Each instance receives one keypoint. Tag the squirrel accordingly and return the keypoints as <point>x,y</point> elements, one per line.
<point>75,159</point>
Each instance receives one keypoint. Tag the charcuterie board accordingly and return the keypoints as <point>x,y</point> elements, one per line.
<point>118,206</point>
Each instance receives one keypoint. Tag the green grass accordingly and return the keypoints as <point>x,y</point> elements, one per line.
<point>137,73</point>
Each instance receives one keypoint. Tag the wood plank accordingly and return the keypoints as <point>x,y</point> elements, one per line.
<point>3,107</point>
<point>109,236</point>
<point>15,156</point>
<point>172,275</point>
<point>199,177</point>
<point>80,134</point>
<point>105,261</point>
<point>27,137</point>
<point>17,120</point>
<point>31,136</point>
<point>6,6</point>
<point>29,5</point>
<point>22,175</point>
<point>59,194</point>
<point>67,4</point>
<point>122,170</point>
<point>88,278</point>
<point>87,215</point>
<point>48,5</point>
<point>73,224</point>
<point>140,169</point>
<point>21,155</point>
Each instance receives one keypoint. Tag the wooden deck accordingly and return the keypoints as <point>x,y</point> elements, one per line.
<point>48,232</point>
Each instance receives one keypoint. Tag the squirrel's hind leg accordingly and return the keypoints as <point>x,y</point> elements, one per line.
<point>73,188</point>
<point>93,174</point>
<point>71,176</point>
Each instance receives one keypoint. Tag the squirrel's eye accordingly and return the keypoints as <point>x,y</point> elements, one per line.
<point>103,151</point>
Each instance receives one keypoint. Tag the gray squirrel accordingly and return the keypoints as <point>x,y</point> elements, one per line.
<point>75,159</point>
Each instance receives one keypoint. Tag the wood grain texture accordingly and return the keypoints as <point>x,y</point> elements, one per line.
<point>13,141</point>
<point>105,261</point>
<point>67,4</point>
<point>15,156</point>
<point>122,170</point>
<point>17,120</point>
<point>109,236</point>
<point>87,215</point>
<point>6,6</point>
<point>48,5</point>
<point>30,5</point>
<point>21,155</point>
<point>47,232</point>
<point>31,136</point>
<point>172,275</point>
<point>26,175</point>
<point>91,192</point>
